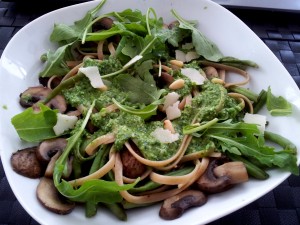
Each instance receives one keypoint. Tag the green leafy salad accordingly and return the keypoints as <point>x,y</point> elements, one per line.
<point>132,111</point>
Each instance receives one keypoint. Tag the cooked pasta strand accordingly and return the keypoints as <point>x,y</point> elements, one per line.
<point>161,163</point>
<point>156,197</point>
<point>104,139</point>
<point>99,173</point>
<point>237,96</point>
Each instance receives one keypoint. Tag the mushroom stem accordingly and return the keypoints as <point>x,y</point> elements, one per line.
<point>175,206</point>
<point>236,171</point>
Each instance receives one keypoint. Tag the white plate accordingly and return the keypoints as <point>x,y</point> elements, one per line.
<point>20,65</point>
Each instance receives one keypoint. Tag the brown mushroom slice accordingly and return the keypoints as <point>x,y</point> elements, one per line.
<point>175,206</point>
<point>50,167</point>
<point>58,102</point>
<point>26,163</point>
<point>218,178</point>
<point>49,148</point>
<point>132,168</point>
<point>106,23</point>
<point>209,183</point>
<point>50,198</point>
<point>236,171</point>
<point>32,95</point>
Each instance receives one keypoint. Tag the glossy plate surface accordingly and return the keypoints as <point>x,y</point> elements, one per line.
<point>19,69</point>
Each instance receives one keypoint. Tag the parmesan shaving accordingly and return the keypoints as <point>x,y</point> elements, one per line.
<point>170,99</point>
<point>94,76</point>
<point>64,123</point>
<point>194,75</point>
<point>173,111</point>
<point>164,135</point>
<point>259,120</point>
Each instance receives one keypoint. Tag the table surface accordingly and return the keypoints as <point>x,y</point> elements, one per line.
<point>281,33</point>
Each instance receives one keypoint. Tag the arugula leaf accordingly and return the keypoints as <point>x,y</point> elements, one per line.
<point>203,46</point>
<point>145,112</point>
<point>244,139</point>
<point>91,191</point>
<point>278,106</point>
<point>176,35</point>
<point>199,127</point>
<point>264,154</point>
<point>72,141</point>
<point>104,34</point>
<point>68,34</point>
<point>95,191</point>
<point>33,126</point>
<point>133,46</point>
<point>56,62</point>
<point>128,15</point>
<point>138,90</point>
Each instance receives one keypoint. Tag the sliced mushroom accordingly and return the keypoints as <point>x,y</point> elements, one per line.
<point>50,167</point>
<point>218,178</point>
<point>50,198</point>
<point>236,171</point>
<point>132,168</point>
<point>175,206</point>
<point>49,148</point>
<point>26,163</point>
<point>106,22</point>
<point>33,95</point>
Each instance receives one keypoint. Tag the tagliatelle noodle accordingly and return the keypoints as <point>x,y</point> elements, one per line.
<point>72,72</point>
<point>156,197</point>
<point>111,49</point>
<point>102,140</point>
<point>142,177</point>
<point>231,69</point>
<point>162,163</point>
<point>99,173</point>
<point>173,180</point>
<point>237,96</point>
<point>100,54</point>
<point>50,81</point>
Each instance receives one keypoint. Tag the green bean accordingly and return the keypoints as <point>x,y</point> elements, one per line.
<point>150,185</point>
<point>99,159</point>
<point>130,205</point>
<point>65,84</point>
<point>90,209</point>
<point>261,101</point>
<point>117,210</point>
<point>246,92</point>
<point>76,168</point>
<point>252,169</point>
<point>283,142</point>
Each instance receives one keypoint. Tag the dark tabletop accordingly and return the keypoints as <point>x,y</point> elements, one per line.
<point>281,33</point>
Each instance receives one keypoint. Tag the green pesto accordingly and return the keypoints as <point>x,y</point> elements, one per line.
<point>132,127</point>
<point>212,101</point>
<point>105,66</point>
<point>203,145</point>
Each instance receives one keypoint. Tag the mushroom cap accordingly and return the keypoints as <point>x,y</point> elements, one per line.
<point>49,148</point>
<point>26,163</point>
<point>50,198</point>
<point>209,183</point>
<point>32,95</point>
<point>175,206</point>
